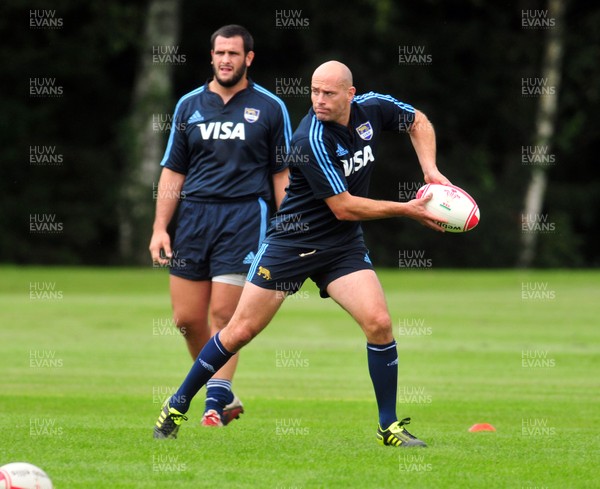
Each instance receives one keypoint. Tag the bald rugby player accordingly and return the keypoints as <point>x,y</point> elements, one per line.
<point>334,152</point>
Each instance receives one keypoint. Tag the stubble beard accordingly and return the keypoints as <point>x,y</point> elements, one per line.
<point>234,80</point>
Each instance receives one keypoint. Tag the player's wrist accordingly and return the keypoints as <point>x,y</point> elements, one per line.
<point>159,228</point>
<point>403,209</point>
<point>430,171</point>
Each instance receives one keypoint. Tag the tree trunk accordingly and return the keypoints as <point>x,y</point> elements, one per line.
<point>545,121</point>
<point>146,129</point>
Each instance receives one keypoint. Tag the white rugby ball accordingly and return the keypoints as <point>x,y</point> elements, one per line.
<point>21,475</point>
<point>452,204</point>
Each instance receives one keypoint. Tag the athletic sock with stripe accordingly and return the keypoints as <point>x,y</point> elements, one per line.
<point>212,357</point>
<point>383,369</point>
<point>218,394</point>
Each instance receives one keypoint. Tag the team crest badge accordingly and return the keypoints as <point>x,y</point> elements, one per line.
<point>251,115</point>
<point>365,131</point>
<point>264,273</point>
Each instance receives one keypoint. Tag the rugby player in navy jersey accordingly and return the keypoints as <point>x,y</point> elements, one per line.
<point>334,150</point>
<point>222,171</point>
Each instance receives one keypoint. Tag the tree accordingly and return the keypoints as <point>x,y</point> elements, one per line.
<point>544,132</point>
<point>144,137</point>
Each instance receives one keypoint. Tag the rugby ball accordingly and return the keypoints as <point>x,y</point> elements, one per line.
<point>21,475</point>
<point>452,204</point>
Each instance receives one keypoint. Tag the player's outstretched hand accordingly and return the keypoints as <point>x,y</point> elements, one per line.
<point>417,210</point>
<point>160,242</point>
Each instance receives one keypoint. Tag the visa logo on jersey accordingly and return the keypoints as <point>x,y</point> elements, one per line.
<point>222,130</point>
<point>360,159</point>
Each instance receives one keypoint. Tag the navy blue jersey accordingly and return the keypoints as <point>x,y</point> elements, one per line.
<point>228,151</point>
<point>327,159</point>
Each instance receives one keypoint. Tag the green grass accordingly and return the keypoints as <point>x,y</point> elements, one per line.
<point>84,369</point>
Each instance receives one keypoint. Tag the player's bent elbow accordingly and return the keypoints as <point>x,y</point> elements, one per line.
<point>344,214</point>
<point>343,207</point>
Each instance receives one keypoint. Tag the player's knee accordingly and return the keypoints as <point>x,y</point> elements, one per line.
<point>382,321</point>
<point>220,316</point>
<point>187,322</point>
<point>378,325</point>
<point>244,336</point>
<point>238,336</point>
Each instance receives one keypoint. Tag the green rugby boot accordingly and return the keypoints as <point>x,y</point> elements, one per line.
<point>168,422</point>
<point>398,436</point>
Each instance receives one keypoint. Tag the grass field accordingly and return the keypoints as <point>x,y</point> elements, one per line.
<point>87,355</point>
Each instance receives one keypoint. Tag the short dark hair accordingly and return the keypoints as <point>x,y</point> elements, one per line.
<point>234,30</point>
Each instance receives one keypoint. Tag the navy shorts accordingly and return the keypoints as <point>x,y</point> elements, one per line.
<point>286,268</point>
<point>217,238</point>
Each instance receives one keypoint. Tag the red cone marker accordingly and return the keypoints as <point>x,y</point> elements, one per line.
<point>481,427</point>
